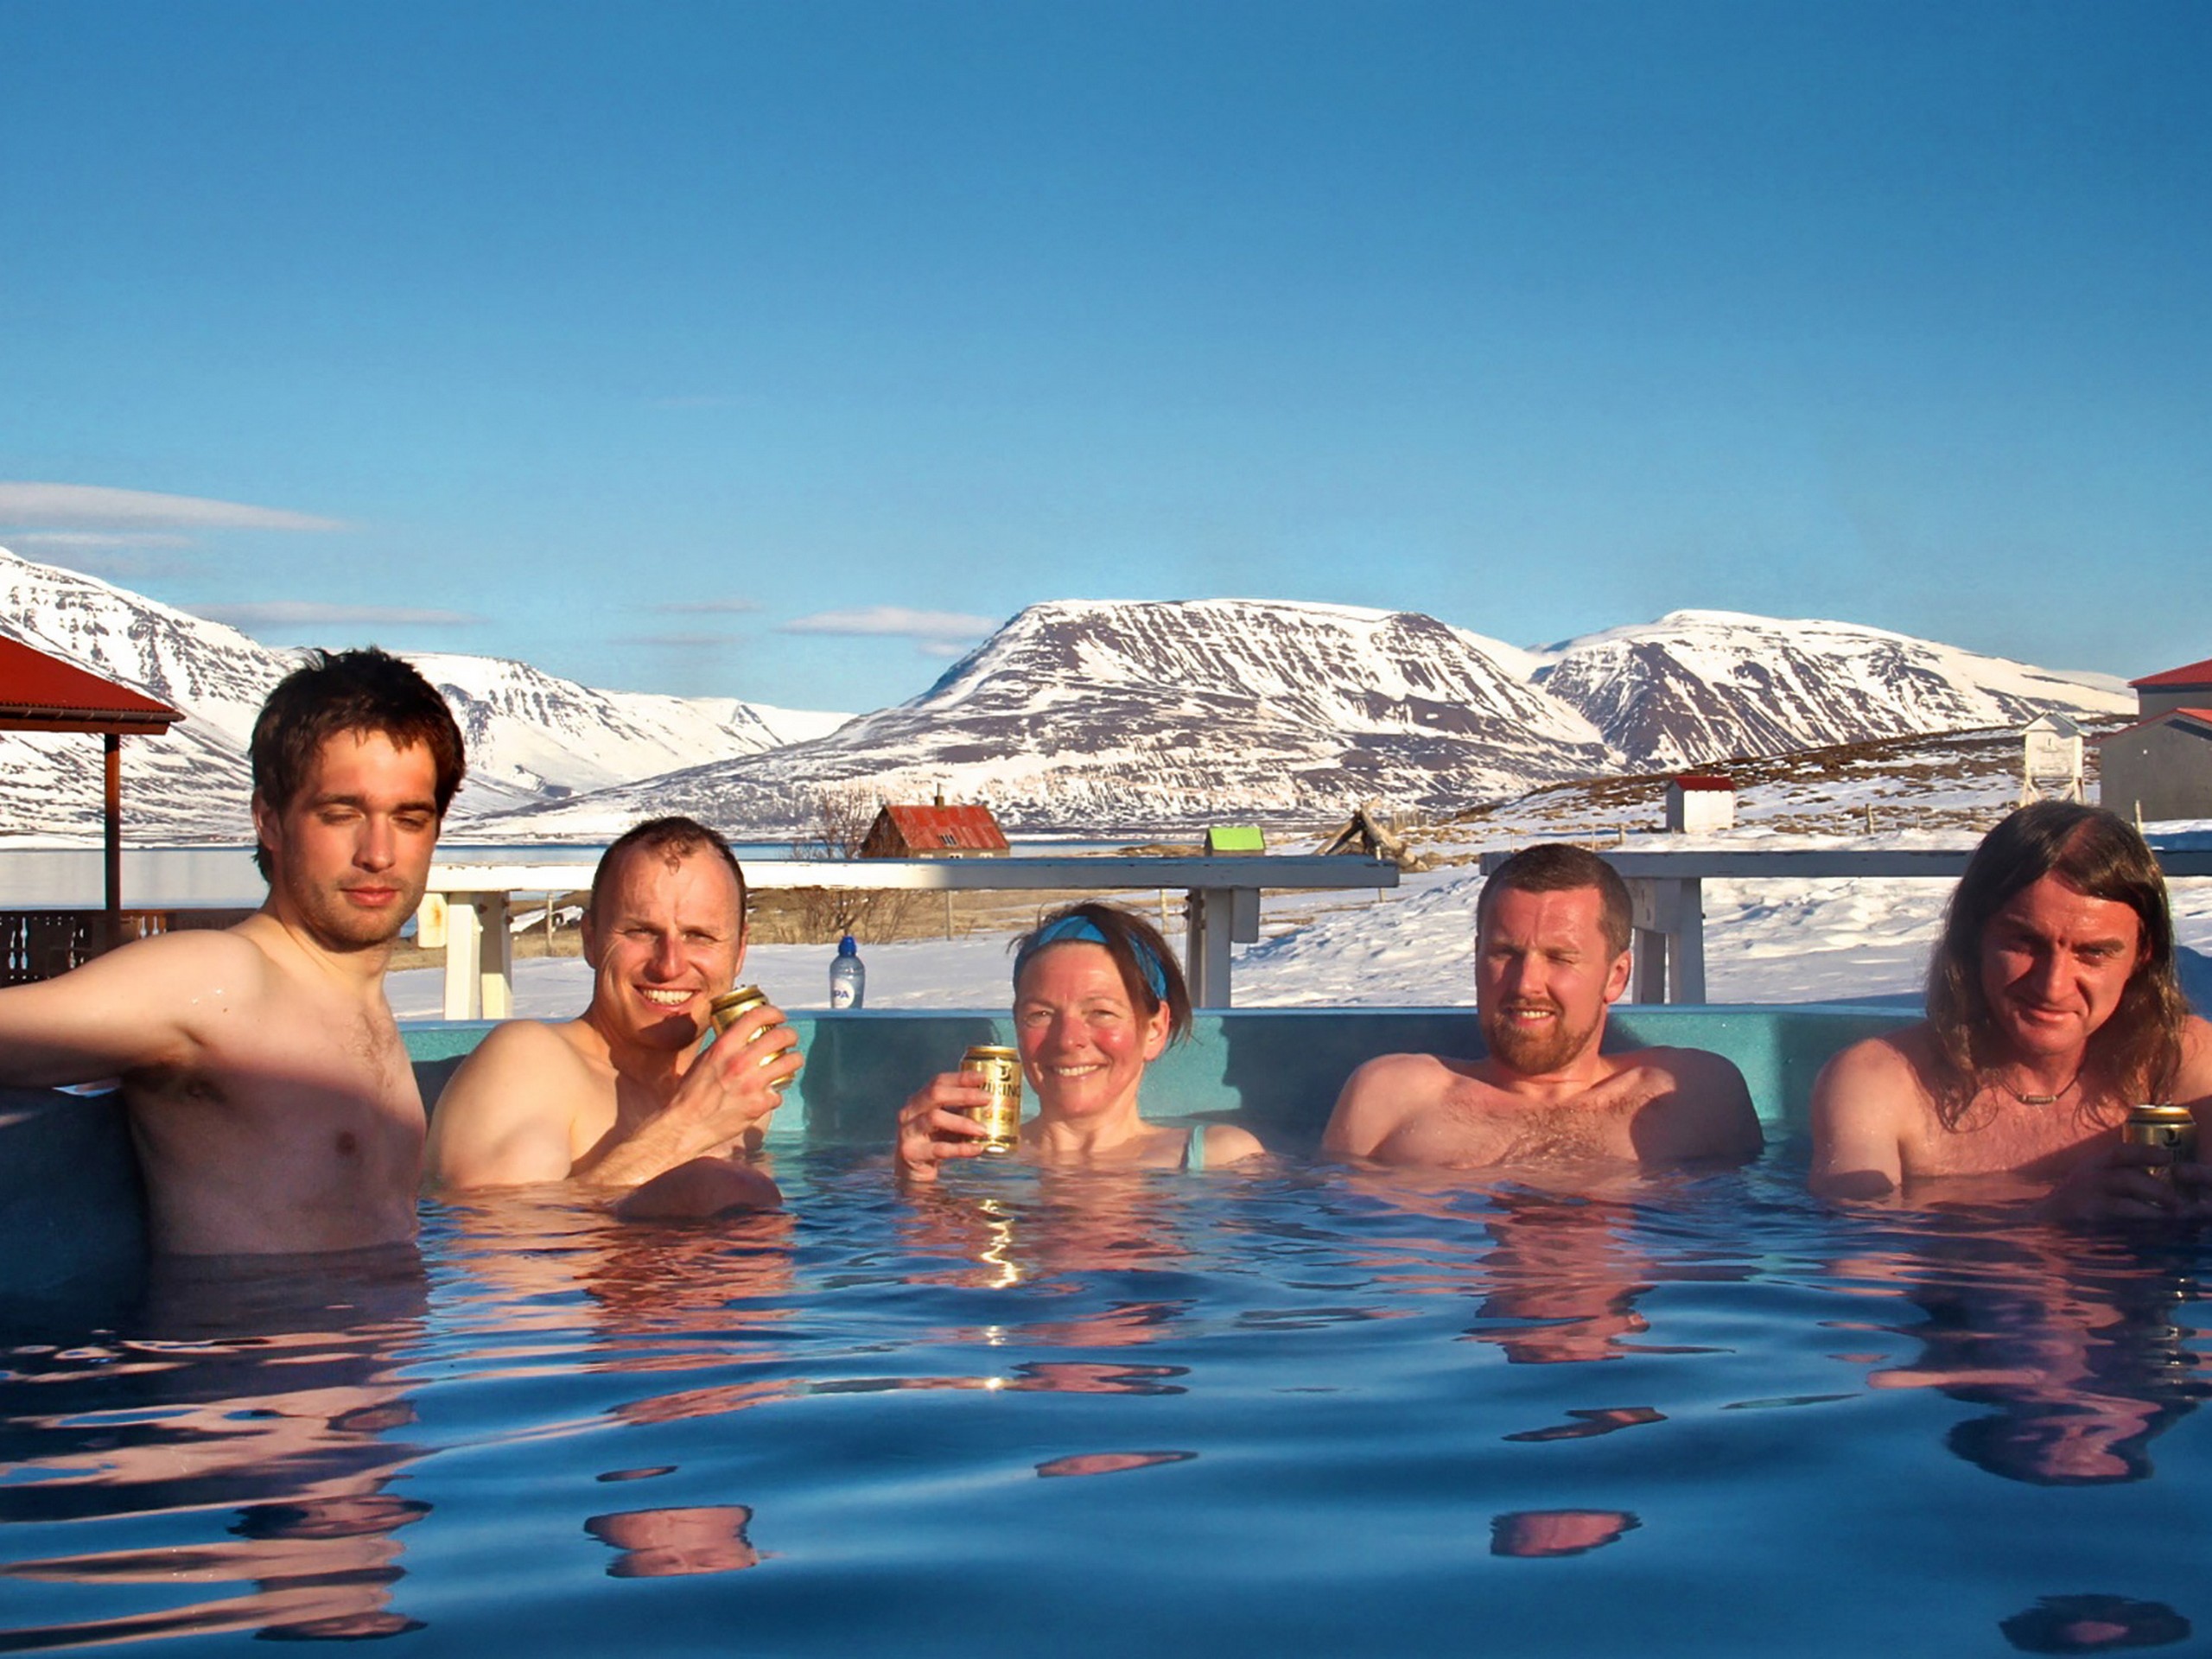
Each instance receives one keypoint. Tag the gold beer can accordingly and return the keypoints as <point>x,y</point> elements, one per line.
<point>730,1007</point>
<point>1000,1115</point>
<point>2172,1127</point>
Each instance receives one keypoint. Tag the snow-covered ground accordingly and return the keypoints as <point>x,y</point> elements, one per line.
<point>1765,941</point>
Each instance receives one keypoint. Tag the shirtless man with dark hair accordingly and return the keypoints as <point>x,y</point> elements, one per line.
<point>1551,956</point>
<point>271,1097</point>
<point>621,1098</point>
<point>2052,1007</point>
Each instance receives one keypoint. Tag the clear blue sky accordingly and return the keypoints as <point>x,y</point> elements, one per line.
<point>648,342</point>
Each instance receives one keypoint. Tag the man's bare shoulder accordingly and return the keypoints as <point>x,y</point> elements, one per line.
<point>1701,1107</point>
<point>505,1116</point>
<point>1893,1065</point>
<point>2193,1084</point>
<point>544,1054</point>
<point>229,959</point>
<point>1383,1094</point>
<point>1690,1068</point>
<point>160,1001</point>
<point>1871,1108</point>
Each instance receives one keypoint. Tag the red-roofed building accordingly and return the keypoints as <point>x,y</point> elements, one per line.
<point>939,831</point>
<point>39,693</point>
<point>1701,803</point>
<point>2187,686</point>
<point>2160,767</point>
<point>42,693</point>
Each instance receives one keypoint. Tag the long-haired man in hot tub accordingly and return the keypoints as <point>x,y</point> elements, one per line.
<point>1551,956</point>
<point>270,1098</point>
<point>2052,1007</point>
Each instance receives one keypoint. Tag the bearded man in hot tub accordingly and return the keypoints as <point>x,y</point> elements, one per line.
<point>621,1098</point>
<point>269,1095</point>
<point>2052,1007</point>
<point>1551,956</point>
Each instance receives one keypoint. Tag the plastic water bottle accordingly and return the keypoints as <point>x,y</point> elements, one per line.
<point>848,975</point>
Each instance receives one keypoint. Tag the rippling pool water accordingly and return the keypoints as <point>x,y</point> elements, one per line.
<point>1298,1411</point>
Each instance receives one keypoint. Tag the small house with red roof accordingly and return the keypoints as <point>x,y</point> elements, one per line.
<point>1701,803</point>
<point>935,831</point>
<point>2178,688</point>
<point>2161,766</point>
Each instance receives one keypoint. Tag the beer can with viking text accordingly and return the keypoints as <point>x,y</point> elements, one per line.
<point>1000,1072</point>
<point>730,1007</point>
<point>2171,1127</point>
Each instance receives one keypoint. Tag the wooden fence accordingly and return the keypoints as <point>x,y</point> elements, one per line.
<point>43,944</point>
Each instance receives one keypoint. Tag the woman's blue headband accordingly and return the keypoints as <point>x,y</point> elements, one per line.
<point>1082,929</point>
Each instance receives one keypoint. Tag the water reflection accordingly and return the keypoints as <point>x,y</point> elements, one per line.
<point>1556,1273</point>
<point>266,1388</point>
<point>1534,1535</point>
<point>1567,1271</point>
<point>675,1543</point>
<point>2094,1625</point>
<point>1109,1463</point>
<point>2074,1341</point>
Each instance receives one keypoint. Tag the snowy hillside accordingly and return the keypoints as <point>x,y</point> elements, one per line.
<point>1700,686</point>
<point>1090,716</point>
<point>531,736</point>
<point>1112,718</point>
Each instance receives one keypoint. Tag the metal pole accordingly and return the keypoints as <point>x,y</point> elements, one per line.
<point>112,922</point>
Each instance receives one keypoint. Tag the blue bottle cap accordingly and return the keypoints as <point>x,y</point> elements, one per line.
<point>846,948</point>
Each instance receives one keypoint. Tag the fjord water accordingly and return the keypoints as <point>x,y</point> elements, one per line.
<point>1295,1410</point>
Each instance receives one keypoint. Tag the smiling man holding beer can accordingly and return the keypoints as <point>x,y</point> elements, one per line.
<point>622,1098</point>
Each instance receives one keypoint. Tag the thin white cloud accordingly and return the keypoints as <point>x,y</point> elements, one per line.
<point>46,507</point>
<point>310,613</point>
<point>708,607</point>
<point>928,629</point>
<point>679,641</point>
<point>96,539</point>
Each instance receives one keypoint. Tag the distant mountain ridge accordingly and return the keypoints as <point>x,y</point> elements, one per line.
<point>1113,718</point>
<point>1700,686</point>
<point>1090,717</point>
<point>531,736</point>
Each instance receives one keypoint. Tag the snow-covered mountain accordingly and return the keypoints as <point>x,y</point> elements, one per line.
<point>1114,717</point>
<point>1126,718</point>
<point>1091,716</point>
<point>532,737</point>
<point>1700,686</point>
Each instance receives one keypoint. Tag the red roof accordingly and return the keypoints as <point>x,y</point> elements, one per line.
<point>42,693</point>
<point>948,828</point>
<point>1691,781</point>
<point>2195,716</point>
<point>2194,674</point>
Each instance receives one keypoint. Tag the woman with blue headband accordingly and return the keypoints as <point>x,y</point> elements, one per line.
<point>1096,997</point>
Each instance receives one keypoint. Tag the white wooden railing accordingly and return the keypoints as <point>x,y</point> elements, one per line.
<point>1223,907</point>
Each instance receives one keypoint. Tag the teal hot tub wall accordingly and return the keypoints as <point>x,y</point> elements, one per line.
<point>70,1209</point>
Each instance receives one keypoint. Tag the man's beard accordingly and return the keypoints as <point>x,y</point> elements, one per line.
<point>1533,1054</point>
<point>339,927</point>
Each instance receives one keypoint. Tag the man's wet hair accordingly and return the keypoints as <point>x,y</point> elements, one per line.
<point>331,692</point>
<point>1147,968</point>
<point>675,838</point>
<point>1556,866</point>
<point>2136,1052</point>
